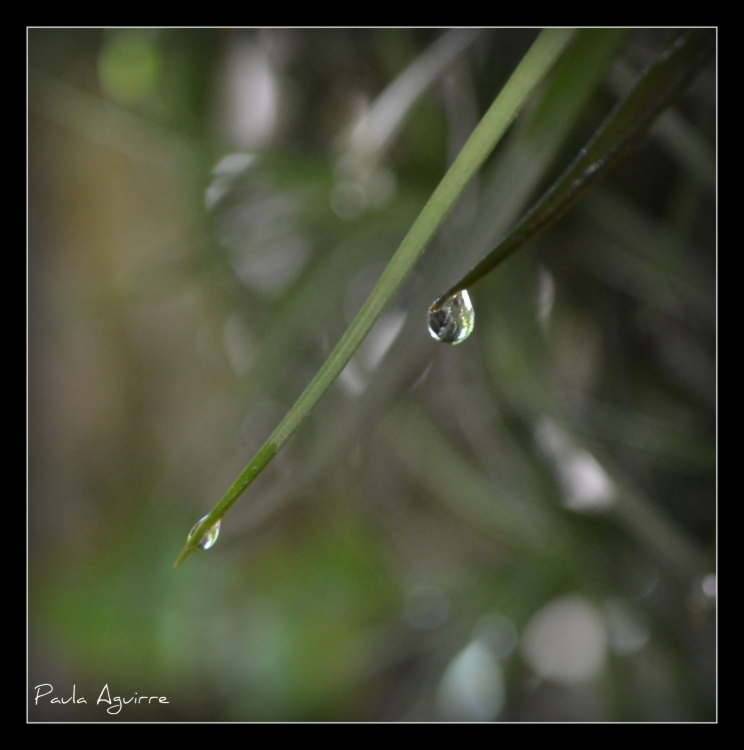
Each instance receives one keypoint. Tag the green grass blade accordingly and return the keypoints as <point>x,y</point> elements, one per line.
<point>530,72</point>
<point>657,88</point>
<point>521,165</point>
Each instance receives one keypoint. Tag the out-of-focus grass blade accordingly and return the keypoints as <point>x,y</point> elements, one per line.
<point>662,82</point>
<point>375,131</point>
<point>533,68</point>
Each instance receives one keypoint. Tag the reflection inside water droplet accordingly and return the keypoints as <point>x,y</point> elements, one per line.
<point>452,321</point>
<point>209,538</point>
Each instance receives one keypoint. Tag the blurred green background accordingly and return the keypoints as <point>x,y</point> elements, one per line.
<point>519,528</point>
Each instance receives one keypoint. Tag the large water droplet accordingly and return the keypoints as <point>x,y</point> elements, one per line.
<point>452,321</point>
<point>207,539</point>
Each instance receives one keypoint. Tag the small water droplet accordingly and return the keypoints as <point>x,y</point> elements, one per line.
<point>207,539</point>
<point>452,321</point>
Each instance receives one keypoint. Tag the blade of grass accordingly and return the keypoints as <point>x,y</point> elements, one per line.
<point>663,81</point>
<point>535,65</point>
<point>521,165</point>
<point>679,136</point>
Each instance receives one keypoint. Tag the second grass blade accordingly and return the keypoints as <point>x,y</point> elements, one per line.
<point>657,88</point>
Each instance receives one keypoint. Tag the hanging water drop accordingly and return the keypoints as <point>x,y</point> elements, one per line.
<point>209,538</point>
<point>452,320</point>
